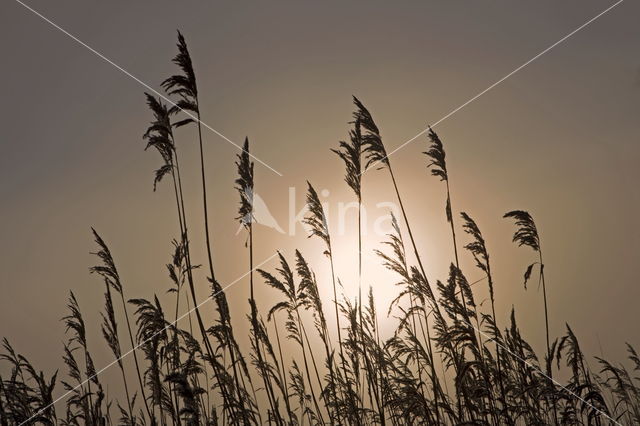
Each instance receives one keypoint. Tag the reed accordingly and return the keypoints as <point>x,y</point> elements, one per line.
<point>107,269</point>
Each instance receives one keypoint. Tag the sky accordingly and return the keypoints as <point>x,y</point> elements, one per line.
<point>559,138</point>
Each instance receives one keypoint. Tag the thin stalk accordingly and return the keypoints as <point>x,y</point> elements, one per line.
<point>281,368</point>
<point>185,242</point>
<point>126,391</point>
<point>179,287</point>
<point>254,321</point>
<point>335,304</point>
<point>313,359</point>
<point>406,221</point>
<point>205,337</point>
<point>370,381</point>
<point>453,229</point>
<point>455,251</point>
<point>498,360</point>
<point>135,356</point>
<point>546,325</point>
<point>207,239</point>
<point>546,313</point>
<point>413,243</point>
<point>306,368</point>
<point>120,364</point>
<point>328,350</point>
<point>383,372</point>
<point>364,347</point>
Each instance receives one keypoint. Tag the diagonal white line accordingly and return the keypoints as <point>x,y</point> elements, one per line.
<point>527,363</point>
<point>142,83</point>
<point>455,110</point>
<point>111,364</point>
<point>536,370</point>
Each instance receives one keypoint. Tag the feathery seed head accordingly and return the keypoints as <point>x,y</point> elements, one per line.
<point>436,153</point>
<point>526,233</point>
<point>244,185</point>
<point>351,154</point>
<point>316,218</point>
<point>373,148</point>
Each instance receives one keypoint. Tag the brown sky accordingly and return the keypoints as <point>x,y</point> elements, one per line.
<point>559,138</point>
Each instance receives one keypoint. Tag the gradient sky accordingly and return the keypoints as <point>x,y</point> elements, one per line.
<point>559,138</point>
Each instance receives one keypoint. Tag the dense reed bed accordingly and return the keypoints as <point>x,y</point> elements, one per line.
<point>449,361</point>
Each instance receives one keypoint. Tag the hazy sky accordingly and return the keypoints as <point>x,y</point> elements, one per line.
<point>560,138</point>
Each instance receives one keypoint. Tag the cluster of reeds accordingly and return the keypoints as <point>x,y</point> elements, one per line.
<point>449,360</point>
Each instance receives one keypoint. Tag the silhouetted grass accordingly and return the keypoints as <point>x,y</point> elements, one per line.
<point>448,361</point>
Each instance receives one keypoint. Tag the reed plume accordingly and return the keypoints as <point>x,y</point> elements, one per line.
<point>245,188</point>
<point>184,86</point>
<point>527,235</point>
<point>397,262</point>
<point>27,394</point>
<point>351,153</point>
<point>376,155</point>
<point>478,249</point>
<point>88,402</point>
<point>295,328</point>
<point>317,221</point>
<point>438,167</point>
<point>108,271</point>
<point>111,336</point>
<point>309,299</point>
